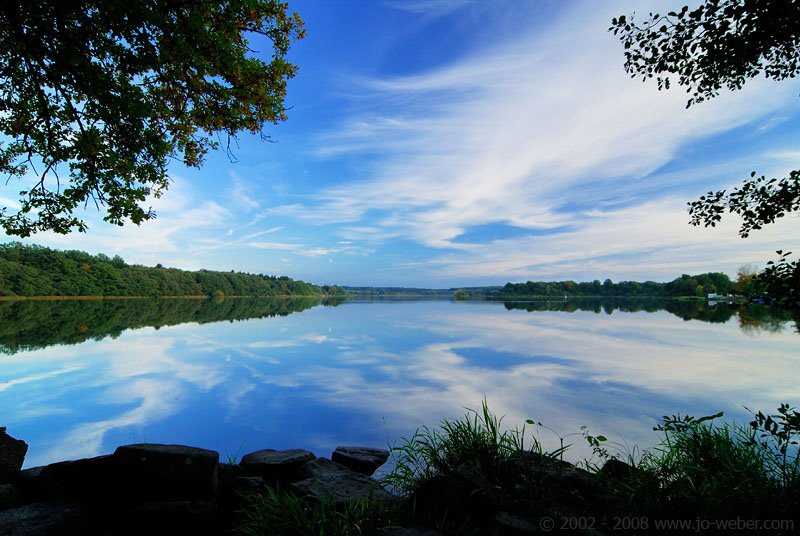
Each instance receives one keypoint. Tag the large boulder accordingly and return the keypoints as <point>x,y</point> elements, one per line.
<point>198,518</point>
<point>408,531</point>
<point>319,467</point>
<point>360,459</point>
<point>133,474</point>
<point>616,469</point>
<point>12,454</point>
<point>43,519</point>
<point>341,487</point>
<point>8,496</point>
<point>151,472</point>
<point>85,479</point>
<point>509,524</point>
<point>275,465</point>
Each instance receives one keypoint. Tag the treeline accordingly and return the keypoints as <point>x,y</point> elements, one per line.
<point>685,285</point>
<point>377,292</point>
<point>40,271</point>
<point>32,324</point>
<point>752,317</point>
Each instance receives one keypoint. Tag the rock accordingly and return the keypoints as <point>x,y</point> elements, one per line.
<point>579,478</point>
<point>510,524</point>
<point>138,473</point>
<point>229,471</point>
<point>276,465</point>
<point>85,479</point>
<point>341,488</point>
<point>321,466</point>
<point>28,485</point>
<point>42,519</point>
<point>528,466</point>
<point>171,517</point>
<point>8,496</point>
<point>12,454</point>
<point>617,469</point>
<point>408,531</point>
<point>471,476</point>
<point>360,459</point>
<point>234,486</point>
<point>152,473</point>
<point>248,485</point>
<point>442,496</point>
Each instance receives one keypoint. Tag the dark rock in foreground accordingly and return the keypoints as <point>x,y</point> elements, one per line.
<point>38,519</point>
<point>166,472</point>
<point>275,465</point>
<point>8,496</point>
<point>514,525</point>
<point>160,489</point>
<point>360,459</point>
<point>340,487</point>
<point>12,454</point>
<point>176,489</point>
<point>408,531</point>
<point>321,467</point>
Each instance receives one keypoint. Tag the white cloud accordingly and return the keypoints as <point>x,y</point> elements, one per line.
<point>318,252</point>
<point>430,8</point>
<point>13,382</point>
<point>180,216</point>
<point>7,202</point>
<point>242,192</point>
<point>519,134</point>
<point>651,240</point>
<point>275,246</point>
<point>554,356</point>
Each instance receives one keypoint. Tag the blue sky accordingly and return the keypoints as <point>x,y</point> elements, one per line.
<point>451,143</point>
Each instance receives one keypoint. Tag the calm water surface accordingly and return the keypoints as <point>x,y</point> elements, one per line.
<point>78,379</point>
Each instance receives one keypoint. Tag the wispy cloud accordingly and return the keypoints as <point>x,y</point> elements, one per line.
<point>523,119</point>
<point>541,133</point>
<point>318,252</point>
<point>242,192</point>
<point>433,8</point>
<point>276,246</point>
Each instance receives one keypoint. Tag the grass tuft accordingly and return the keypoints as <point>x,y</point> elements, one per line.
<point>477,440</point>
<point>704,468</point>
<point>281,513</point>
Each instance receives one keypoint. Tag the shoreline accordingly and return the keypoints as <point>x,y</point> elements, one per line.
<point>189,297</point>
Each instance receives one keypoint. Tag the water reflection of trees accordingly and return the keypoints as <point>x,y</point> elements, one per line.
<point>29,325</point>
<point>752,318</point>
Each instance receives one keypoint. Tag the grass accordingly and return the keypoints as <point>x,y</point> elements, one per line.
<point>282,513</point>
<point>701,468</point>
<point>457,475</point>
<point>233,459</point>
<point>477,440</point>
<point>704,468</point>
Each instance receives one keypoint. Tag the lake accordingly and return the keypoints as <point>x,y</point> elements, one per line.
<point>78,378</point>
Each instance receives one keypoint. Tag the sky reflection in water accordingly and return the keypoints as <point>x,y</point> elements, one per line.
<point>368,373</point>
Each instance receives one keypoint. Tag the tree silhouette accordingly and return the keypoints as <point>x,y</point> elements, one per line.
<point>722,44</point>
<point>98,96</point>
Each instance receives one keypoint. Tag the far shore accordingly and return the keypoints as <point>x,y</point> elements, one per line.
<point>191,297</point>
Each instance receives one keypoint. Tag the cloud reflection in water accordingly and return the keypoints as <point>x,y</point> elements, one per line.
<point>368,373</point>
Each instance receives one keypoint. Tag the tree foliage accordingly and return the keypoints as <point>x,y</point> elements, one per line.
<point>759,202</point>
<point>686,285</point>
<point>722,44</point>
<point>781,279</point>
<point>719,44</point>
<point>40,271</point>
<point>98,96</point>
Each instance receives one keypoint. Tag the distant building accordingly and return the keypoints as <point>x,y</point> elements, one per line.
<point>712,295</point>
